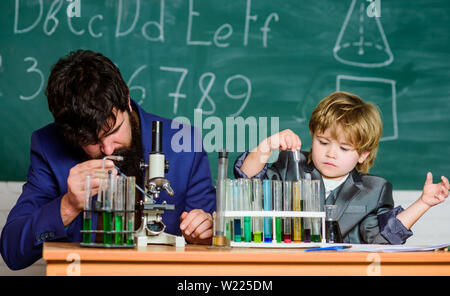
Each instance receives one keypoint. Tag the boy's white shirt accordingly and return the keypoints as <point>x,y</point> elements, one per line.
<point>330,184</point>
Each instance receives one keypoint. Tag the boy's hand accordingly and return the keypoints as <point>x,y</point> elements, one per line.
<point>256,160</point>
<point>434,194</point>
<point>284,140</point>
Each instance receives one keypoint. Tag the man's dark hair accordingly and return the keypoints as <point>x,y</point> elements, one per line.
<point>84,90</point>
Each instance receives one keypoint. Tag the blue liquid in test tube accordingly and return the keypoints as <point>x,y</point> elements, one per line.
<point>267,206</point>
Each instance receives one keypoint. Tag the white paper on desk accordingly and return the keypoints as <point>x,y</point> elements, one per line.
<point>393,248</point>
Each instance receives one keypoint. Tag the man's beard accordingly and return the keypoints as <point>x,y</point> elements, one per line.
<point>132,155</point>
<point>130,165</point>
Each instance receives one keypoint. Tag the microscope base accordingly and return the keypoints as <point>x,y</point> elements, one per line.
<point>161,239</point>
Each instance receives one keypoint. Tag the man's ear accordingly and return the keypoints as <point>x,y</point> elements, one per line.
<point>363,156</point>
<point>129,104</point>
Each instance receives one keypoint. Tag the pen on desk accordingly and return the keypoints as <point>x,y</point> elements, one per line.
<point>332,248</point>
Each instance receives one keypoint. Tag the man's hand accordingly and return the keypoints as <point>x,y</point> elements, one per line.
<point>73,201</point>
<point>197,226</point>
<point>434,194</point>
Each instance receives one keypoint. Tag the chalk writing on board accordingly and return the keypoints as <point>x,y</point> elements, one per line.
<point>176,95</point>
<point>362,41</point>
<point>205,92</point>
<point>220,37</point>
<point>41,76</point>
<point>245,95</point>
<point>208,79</point>
<point>16,19</point>
<point>138,87</point>
<point>392,133</point>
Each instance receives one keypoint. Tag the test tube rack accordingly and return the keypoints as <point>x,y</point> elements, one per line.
<point>98,209</point>
<point>273,215</point>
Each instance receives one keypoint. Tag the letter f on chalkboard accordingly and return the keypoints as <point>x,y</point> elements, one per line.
<point>74,8</point>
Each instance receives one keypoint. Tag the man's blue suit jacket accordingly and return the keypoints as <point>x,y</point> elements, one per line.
<point>36,216</point>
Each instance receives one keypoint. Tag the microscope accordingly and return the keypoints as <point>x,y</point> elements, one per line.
<point>152,227</point>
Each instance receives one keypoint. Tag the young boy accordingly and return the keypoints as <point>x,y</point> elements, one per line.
<point>345,133</point>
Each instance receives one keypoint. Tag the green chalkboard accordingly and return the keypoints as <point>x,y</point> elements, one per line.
<point>259,60</point>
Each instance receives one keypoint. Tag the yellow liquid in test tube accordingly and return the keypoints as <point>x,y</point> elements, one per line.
<point>296,201</point>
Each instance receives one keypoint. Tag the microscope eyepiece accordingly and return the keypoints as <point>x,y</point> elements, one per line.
<point>157,136</point>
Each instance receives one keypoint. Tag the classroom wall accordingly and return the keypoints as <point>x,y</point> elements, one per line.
<point>427,231</point>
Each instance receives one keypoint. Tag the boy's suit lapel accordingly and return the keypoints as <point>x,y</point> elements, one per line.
<point>348,191</point>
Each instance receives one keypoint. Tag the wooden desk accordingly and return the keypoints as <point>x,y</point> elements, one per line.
<point>203,260</point>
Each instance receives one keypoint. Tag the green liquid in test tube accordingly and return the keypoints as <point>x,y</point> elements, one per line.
<point>107,214</point>
<point>246,194</point>
<point>87,225</point>
<point>107,226</point>
<point>130,206</point>
<point>87,215</point>
<point>118,226</point>
<point>130,240</point>
<point>258,223</point>
<point>119,208</point>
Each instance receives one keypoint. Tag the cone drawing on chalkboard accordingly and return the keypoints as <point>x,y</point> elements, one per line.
<point>361,41</point>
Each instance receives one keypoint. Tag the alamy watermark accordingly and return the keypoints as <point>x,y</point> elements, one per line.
<point>374,8</point>
<point>236,134</point>
<point>74,8</point>
<point>74,268</point>
<point>374,268</point>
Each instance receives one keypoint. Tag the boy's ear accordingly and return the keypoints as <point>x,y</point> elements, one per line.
<point>363,156</point>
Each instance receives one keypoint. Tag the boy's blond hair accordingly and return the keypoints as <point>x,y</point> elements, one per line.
<point>360,122</point>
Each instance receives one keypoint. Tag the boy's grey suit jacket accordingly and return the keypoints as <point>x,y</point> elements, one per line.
<point>360,200</point>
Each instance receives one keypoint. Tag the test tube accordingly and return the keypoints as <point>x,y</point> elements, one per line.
<point>306,193</point>
<point>296,157</point>
<point>296,206</point>
<point>107,209</point>
<point>267,205</point>
<point>219,221</point>
<point>287,206</point>
<point>333,232</point>
<point>130,206</point>
<point>277,190</point>
<point>237,207</point>
<point>229,207</point>
<point>87,214</point>
<point>315,198</point>
<point>119,210</point>
<point>257,206</point>
<point>246,195</point>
